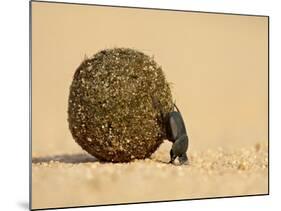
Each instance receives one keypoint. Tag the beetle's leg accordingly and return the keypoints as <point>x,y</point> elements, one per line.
<point>179,149</point>
<point>180,145</point>
<point>176,107</point>
<point>172,156</point>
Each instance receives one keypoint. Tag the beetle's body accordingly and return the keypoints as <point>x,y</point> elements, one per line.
<point>175,127</point>
<point>176,133</point>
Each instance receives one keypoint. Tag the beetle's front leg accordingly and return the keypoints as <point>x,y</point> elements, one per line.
<point>179,149</point>
<point>172,156</point>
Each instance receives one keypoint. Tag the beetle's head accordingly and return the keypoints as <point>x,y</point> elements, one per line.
<point>183,159</point>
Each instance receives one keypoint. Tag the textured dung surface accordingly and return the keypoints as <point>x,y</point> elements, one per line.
<point>110,113</point>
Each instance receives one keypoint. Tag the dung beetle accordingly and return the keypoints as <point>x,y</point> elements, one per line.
<point>176,133</point>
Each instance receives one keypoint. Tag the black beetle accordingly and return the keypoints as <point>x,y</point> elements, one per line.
<point>176,133</point>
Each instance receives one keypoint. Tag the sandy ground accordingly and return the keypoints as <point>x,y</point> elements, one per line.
<point>79,179</point>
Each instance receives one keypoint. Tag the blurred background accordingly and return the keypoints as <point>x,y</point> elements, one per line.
<point>216,64</point>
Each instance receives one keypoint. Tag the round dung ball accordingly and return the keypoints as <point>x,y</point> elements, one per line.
<point>117,103</point>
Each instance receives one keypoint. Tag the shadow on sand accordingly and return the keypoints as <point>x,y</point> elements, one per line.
<point>75,159</point>
<point>66,158</point>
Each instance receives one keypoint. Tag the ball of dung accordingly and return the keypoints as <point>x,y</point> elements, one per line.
<point>116,103</point>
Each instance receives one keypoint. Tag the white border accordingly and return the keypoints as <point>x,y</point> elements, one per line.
<point>14,109</point>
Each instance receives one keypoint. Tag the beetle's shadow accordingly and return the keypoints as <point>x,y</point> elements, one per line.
<point>66,158</point>
<point>167,162</point>
<point>161,161</point>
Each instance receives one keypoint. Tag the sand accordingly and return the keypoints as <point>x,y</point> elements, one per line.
<point>80,179</point>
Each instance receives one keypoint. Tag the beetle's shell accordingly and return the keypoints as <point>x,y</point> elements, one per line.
<point>110,109</point>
